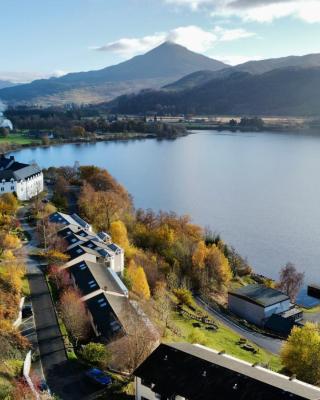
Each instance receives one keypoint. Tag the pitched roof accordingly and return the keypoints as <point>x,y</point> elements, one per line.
<point>196,372</point>
<point>11,169</point>
<point>260,295</point>
<point>104,317</point>
<point>83,277</point>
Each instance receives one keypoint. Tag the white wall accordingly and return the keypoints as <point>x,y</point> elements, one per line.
<point>8,187</point>
<point>82,257</point>
<point>254,313</point>
<point>30,187</point>
<point>277,308</point>
<point>249,311</point>
<point>118,265</point>
<point>143,391</point>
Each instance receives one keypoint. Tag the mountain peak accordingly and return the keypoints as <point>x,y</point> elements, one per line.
<point>161,65</point>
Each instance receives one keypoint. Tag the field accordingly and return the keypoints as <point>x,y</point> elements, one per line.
<point>19,138</point>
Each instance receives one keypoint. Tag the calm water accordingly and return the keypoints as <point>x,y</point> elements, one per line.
<point>261,191</point>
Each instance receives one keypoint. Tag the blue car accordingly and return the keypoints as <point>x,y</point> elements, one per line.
<point>99,377</point>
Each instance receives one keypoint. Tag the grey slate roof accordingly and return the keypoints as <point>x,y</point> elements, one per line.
<point>104,317</point>
<point>260,295</point>
<point>199,373</point>
<point>11,169</point>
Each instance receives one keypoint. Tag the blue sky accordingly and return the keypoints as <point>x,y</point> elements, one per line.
<point>46,37</point>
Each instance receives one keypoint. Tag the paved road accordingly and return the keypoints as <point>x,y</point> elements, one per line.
<point>65,378</point>
<point>265,342</point>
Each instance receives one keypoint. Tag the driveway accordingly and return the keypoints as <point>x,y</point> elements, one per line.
<point>265,342</point>
<point>65,378</point>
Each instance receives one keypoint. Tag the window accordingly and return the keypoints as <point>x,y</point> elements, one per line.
<point>12,187</point>
<point>2,189</point>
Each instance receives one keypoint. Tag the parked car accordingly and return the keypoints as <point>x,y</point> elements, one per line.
<point>27,311</point>
<point>97,376</point>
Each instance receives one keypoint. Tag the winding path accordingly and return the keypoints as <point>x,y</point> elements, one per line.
<point>265,342</point>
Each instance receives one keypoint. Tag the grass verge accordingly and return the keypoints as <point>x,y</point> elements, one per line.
<point>221,339</point>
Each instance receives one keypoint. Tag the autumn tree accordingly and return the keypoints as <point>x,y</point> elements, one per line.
<point>119,234</point>
<point>54,257</point>
<point>199,255</point>
<point>300,354</point>
<point>217,266</point>
<point>163,304</point>
<point>8,204</point>
<point>139,283</point>
<point>184,296</point>
<point>131,350</point>
<point>78,131</point>
<point>48,237</point>
<point>102,208</point>
<point>59,276</point>
<point>290,281</point>
<point>9,242</point>
<point>74,314</point>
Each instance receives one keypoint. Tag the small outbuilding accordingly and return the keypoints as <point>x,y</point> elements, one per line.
<point>257,303</point>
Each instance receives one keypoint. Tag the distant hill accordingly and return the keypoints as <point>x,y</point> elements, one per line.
<point>262,66</point>
<point>253,67</point>
<point>164,64</point>
<point>284,91</point>
<point>5,84</point>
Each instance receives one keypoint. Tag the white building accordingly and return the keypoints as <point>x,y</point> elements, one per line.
<point>257,303</point>
<point>23,179</point>
<point>85,245</point>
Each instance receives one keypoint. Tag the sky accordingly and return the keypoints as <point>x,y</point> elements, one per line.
<point>42,38</point>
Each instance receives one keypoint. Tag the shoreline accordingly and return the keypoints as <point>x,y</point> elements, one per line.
<point>190,130</point>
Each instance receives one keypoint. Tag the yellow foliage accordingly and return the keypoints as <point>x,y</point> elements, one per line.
<point>10,242</point>
<point>119,234</point>
<point>8,204</point>
<point>301,353</point>
<point>218,265</point>
<point>138,280</point>
<point>199,255</point>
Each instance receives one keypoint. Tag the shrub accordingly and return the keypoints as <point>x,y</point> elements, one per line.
<point>184,296</point>
<point>95,354</point>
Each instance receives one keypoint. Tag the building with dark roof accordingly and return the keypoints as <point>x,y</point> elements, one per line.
<point>83,242</point>
<point>25,180</point>
<point>103,318</point>
<point>257,303</point>
<point>182,371</point>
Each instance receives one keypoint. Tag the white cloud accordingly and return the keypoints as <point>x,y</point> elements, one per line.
<point>257,10</point>
<point>236,59</point>
<point>227,35</point>
<point>132,46</point>
<point>25,77</point>
<point>192,37</point>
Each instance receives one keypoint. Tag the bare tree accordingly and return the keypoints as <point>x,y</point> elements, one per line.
<point>129,351</point>
<point>290,281</point>
<point>74,314</point>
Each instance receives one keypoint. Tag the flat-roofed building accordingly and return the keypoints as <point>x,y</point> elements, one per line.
<point>257,303</point>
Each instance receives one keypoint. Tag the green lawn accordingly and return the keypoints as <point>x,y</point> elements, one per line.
<point>18,138</point>
<point>222,339</point>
